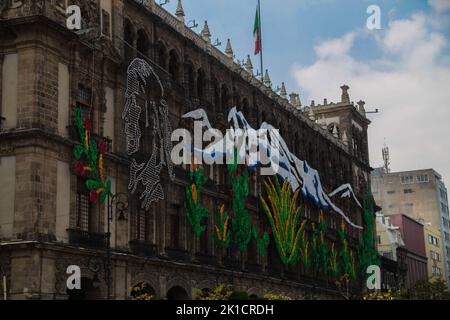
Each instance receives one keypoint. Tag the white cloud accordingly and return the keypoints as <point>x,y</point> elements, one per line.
<point>440,5</point>
<point>410,85</point>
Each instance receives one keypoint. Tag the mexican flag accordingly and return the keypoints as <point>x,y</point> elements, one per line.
<point>257,32</point>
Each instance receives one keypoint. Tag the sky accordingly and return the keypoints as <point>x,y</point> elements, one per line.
<point>315,46</point>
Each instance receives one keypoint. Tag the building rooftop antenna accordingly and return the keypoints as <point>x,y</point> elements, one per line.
<point>386,158</point>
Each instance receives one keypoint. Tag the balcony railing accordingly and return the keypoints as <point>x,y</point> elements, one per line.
<point>232,263</point>
<point>87,239</point>
<point>206,259</point>
<point>144,248</point>
<point>177,254</point>
<point>253,268</point>
<point>73,135</point>
<point>274,270</point>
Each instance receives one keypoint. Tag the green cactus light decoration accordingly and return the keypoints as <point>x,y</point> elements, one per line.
<point>195,214</point>
<point>262,240</point>
<point>222,233</point>
<point>240,216</point>
<point>283,214</point>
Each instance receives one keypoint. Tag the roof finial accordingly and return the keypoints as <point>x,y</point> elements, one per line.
<point>361,108</point>
<point>311,115</point>
<point>283,92</point>
<point>295,100</point>
<point>267,80</point>
<point>229,50</point>
<point>248,65</point>
<point>206,34</point>
<point>345,96</point>
<point>180,12</point>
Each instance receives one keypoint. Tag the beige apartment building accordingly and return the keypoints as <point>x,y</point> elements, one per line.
<point>421,195</point>
<point>435,254</point>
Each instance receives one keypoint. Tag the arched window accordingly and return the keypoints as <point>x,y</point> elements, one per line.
<point>129,37</point>
<point>190,80</point>
<point>245,107</point>
<point>200,85</point>
<point>174,68</point>
<point>216,96</point>
<point>225,99</point>
<point>143,44</point>
<point>162,53</point>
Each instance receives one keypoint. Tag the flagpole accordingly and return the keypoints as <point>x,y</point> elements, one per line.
<point>260,37</point>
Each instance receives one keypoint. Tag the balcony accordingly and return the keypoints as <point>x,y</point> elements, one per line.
<point>73,135</point>
<point>206,259</point>
<point>177,254</point>
<point>253,268</point>
<point>82,238</point>
<point>274,270</point>
<point>144,248</point>
<point>232,263</point>
<point>291,275</point>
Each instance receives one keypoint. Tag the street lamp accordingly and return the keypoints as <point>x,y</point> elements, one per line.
<point>120,202</point>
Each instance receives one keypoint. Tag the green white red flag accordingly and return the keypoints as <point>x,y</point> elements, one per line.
<point>257,32</point>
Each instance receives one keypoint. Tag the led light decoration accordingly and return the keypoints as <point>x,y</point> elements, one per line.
<point>367,252</point>
<point>222,233</point>
<point>90,160</point>
<point>194,212</point>
<point>297,172</point>
<point>284,218</point>
<point>145,91</point>
<point>241,224</point>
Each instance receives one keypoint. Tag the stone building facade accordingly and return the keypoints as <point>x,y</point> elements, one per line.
<point>46,220</point>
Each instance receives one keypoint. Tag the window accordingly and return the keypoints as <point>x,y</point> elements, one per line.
<point>143,225</point>
<point>388,254</point>
<point>436,271</point>
<point>84,97</point>
<point>175,223</point>
<point>407,179</point>
<point>106,30</point>
<point>204,242</point>
<point>444,208</point>
<point>435,256</point>
<point>391,192</point>
<point>447,236</point>
<point>423,178</point>
<point>379,239</point>
<point>433,240</point>
<point>443,194</point>
<point>83,207</point>
<point>408,191</point>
